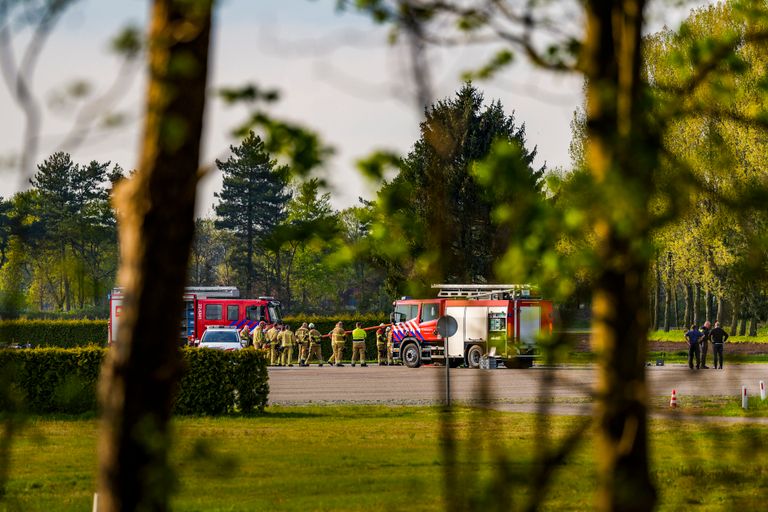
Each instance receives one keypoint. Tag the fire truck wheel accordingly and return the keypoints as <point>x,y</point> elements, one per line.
<point>410,355</point>
<point>474,354</point>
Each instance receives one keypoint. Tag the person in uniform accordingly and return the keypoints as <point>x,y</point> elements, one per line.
<point>358,344</point>
<point>274,352</point>
<point>338,338</point>
<point>381,346</point>
<point>287,341</point>
<point>302,340</point>
<point>314,345</point>
<point>245,335</point>
<point>704,343</point>
<point>718,336</point>
<point>390,346</point>
<point>692,337</point>
<point>257,335</point>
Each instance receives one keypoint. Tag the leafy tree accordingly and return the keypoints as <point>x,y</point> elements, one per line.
<point>252,202</point>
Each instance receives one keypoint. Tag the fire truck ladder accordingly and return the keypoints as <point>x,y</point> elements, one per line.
<point>482,291</point>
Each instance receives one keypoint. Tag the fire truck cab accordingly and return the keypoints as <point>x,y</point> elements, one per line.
<point>207,306</point>
<point>498,323</point>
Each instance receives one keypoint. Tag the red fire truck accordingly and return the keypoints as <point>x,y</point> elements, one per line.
<point>497,322</point>
<point>205,306</point>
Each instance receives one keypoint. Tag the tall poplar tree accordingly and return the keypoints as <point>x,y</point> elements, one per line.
<point>252,202</point>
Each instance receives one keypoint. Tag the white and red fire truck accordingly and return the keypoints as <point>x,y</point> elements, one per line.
<point>206,306</point>
<point>498,322</point>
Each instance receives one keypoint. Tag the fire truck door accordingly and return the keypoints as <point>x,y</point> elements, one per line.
<point>456,342</point>
<point>530,323</point>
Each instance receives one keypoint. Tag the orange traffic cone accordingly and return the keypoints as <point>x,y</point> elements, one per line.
<point>673,399</point>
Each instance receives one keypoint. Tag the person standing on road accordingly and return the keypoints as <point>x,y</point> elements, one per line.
<point>314,346</point>
<point>358,344</point>
<point>302,340</point>
<point>245,335</point>
<point>381,345</point>
<point>693,336</point>
<point>286,343</point>
<point>272,342</point>
<point>719,337</point>
<point>338,338</point>
<point>257,335</point>
<point>705,332</point>
<point>390,346</point>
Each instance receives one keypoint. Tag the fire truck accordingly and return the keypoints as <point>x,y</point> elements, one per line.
<point>206,306</point>
<point>496,323</point>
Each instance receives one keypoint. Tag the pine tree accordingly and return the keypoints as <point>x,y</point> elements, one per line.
<point>252,202</point>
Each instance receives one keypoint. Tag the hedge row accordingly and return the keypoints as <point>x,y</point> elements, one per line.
<point>53,380</point>
<point>53,333</point>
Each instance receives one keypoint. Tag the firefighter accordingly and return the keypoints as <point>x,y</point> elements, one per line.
<point>358,344</point>
<point>314,346</point>
<point>302,340</point>
<point>381,346</point>
<point>257,335</point>
<point>390,346</point>
<point>245,335</point>
<point>338,338</point>
<point>272,345</point>
<point>286,343</point>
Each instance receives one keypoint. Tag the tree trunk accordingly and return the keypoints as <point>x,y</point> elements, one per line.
<point>657,298</point>
<point>688,315</point>
<point>621,152</point>
<point>667,304</point>
<point>677,309</point>
<point>719,317</point>
<point>696,305</point>
<point>707,306</point>
<point>156,227</point>
<point>734,318</point>
<point>753,326</point>
<point>743,326</point>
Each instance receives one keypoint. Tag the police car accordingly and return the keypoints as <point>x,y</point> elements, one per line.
<point>221,338</point>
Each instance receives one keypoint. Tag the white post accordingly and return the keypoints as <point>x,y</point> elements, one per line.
<point>95,502</point>
<point>744,401</point>
<point>762,390</point>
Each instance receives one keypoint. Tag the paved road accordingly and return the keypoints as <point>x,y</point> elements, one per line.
<point>425,385</point>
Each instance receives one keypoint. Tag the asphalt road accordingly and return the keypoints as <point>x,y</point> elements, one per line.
<point>426,385</point>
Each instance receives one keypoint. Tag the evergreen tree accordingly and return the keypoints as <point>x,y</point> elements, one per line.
<point>252,202</point>
<point>449,210</point>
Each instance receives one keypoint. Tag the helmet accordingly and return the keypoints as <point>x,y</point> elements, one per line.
<point>311,326</point>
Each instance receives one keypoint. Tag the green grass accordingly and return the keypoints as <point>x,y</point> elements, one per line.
<point>384,458</point>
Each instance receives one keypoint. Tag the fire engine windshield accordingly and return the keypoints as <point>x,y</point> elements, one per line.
<point>405,312</point>
<point>274,313</point>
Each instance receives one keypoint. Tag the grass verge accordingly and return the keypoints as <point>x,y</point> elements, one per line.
<point>386,458</point>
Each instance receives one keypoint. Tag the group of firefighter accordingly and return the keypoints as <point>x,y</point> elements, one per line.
<point>279,341</point>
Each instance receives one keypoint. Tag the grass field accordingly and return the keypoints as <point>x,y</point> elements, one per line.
<point>385,458</point>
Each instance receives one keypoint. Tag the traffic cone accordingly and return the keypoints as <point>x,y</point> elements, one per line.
<point>673,399</point>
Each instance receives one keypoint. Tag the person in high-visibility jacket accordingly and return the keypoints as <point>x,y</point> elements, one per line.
<point>381,346</point>
<point>257,335</point>
<point>358,344</point>
<point>287,341</point>
<point>245,335</point>
<point>274,352</point>
<point>314,346</point>
<point>338,338</point>
<point>302,340</point>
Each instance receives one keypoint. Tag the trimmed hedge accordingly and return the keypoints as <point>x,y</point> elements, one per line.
<point>53,333</point>
<point>53,380</point>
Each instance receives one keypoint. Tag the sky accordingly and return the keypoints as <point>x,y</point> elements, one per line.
<point>335,72</point>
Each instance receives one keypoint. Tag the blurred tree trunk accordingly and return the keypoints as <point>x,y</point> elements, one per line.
<point>707,306</point>
<point>719,317</point>
<point>696,305</point>
<point>677,311</point>
<point>156,226</point>
<point>753,325</point>
<point>621,155</point>
<point>734,318</point>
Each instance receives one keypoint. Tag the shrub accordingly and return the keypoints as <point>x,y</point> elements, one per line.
<point>55,380</point>
<point>53,333</point>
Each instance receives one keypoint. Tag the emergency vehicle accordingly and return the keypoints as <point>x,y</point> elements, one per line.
<point>206,306</point>
<point>496,323</point>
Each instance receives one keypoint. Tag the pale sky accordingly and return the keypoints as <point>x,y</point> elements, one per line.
<point>335,72</point>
